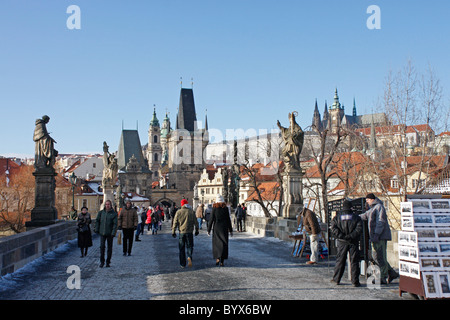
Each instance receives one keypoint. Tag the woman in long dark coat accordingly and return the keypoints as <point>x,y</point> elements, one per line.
<point>84,231</point>
<point>220,222</point>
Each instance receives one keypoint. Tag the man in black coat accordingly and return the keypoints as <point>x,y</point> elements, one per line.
<point>347,229</point>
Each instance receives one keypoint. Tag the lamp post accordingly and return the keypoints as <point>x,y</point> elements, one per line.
<point>203,195</point>
<point>73,181</point>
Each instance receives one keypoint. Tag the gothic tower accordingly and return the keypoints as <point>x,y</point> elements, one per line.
<point>186,145</point>
<point>336,113</point>
<point>317,123</point>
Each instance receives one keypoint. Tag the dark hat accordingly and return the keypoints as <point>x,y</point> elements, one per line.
<point>370,196</point>
<point>347,205</point>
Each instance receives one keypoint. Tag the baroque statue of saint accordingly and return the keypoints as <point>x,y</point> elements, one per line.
<point>293,138</point>
<point>45,153</point>
<point>110,167</point>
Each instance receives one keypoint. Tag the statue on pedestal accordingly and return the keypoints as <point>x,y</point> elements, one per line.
<point>110,167</point>
<point>44,211</point>
<point>45,153</point>
<point>110,172</point>
<point>293,138</point>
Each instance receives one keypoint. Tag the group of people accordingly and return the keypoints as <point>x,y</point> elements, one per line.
<point>346,227</point>
<point>131,221</point>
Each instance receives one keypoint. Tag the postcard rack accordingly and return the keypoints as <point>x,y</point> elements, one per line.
<point>424,248</point>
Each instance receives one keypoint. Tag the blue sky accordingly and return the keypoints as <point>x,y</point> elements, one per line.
<point>252,62</point>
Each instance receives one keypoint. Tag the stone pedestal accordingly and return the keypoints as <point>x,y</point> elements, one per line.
<point>44,212</point>
<point>108,194</point>
<point>293,190</point>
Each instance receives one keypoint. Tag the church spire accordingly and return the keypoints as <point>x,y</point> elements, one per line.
<point>354,107</point>
<point>336,103</point>
<point>154,122</point>
<point>316,118</point>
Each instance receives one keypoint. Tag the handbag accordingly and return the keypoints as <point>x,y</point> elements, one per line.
<point>119,238</point>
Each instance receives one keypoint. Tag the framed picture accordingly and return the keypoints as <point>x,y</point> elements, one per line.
<point>440,205</point>
<point>407,224</point>
<point>406,209</point>
<point>407,238</point>
<point>409,269</point>
<point>431,284</point>
<point>444,284</point>
<point>428,248</point>
<point>423,220</point>
<point>403,268</point>
<point>445,262</point>
<point>408,253</point>
<point>442,219</point>
<point>444,249</point>
<point>421,205</point>
<point>430,264</point>
<point>443,234</point>
<point>426,234</point>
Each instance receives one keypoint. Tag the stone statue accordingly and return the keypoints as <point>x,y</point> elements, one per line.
<point>293,142</point>
<point>196,190</point>
<point>110,167</point>
<point>45,153</point>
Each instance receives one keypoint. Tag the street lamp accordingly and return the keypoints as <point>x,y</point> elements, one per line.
<point>203,195</point>
<point>73,181</point>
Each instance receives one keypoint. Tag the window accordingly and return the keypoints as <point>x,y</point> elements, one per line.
<point>418,183</point>
<point>94,165</point>
<point>394,183</point>
<point>155,139</point>
<point>156,157</point>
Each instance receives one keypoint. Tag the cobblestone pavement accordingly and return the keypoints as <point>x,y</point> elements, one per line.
<point>258,269</point>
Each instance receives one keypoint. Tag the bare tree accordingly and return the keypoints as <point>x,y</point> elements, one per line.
<point>323,157</point>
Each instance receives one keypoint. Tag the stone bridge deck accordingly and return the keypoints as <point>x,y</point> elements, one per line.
<point>258,269</point>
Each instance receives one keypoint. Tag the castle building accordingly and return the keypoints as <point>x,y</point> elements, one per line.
<point>334,117</point>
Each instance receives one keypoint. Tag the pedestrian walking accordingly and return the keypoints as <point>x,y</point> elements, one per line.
<point>347,228</point>
<point>84,231</point>
<point>148,221</point>
<point>239,217</point>
<point>199,215</point>
<point>155,220</point>
<point>106,227</point>
<point>143,219</point>
<point>139,226</point>
<point>173,212</point>
<point>244,209</point>
<point>127,222</point>
<point>208,211</point>
<point>220,223</point>
<point>312,227</point>
<point>379,234</point>
<point>186,223</point>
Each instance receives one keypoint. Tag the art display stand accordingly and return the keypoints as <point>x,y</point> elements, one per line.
<point>424,248</point>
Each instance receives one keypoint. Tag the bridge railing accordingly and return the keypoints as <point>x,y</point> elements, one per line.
<point>19,249</point>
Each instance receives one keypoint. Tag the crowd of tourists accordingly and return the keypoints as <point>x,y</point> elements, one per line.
<point>346,227</point>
